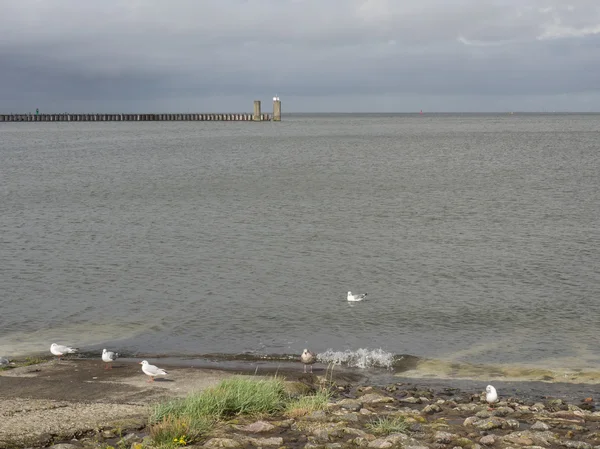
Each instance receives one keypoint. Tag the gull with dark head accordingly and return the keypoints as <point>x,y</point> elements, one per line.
<point>60,350</point>
<point>308,358</point>
<point>151,370</point>
<point>356,298</point>
<point>491,395</point>
<point>109,357</point>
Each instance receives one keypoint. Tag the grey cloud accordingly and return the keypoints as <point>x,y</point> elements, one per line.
<point>156,53</point>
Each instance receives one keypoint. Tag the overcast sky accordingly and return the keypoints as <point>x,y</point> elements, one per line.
<point>317,55</point>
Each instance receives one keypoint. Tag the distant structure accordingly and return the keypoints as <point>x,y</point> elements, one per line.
<point>256,116</point>
<point>276,109</point>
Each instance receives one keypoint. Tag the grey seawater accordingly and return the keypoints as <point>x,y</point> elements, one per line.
<point>476,237</point>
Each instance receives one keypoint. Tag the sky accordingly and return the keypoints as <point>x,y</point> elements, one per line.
<point>316,55</point>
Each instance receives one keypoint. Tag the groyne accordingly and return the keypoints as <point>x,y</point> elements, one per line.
<point>134,117</point>
<point>256,116</point>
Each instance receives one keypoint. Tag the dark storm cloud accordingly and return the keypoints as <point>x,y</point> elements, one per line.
<point>66,52</point>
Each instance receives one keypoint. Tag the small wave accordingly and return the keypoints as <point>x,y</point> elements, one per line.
<point>361,358</point>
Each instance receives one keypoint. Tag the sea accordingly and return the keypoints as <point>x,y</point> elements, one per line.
<point>476,237</point>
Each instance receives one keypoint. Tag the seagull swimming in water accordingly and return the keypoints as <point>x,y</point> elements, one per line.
<point>491,395</point>
<point>61,350</point>
<point>152,370</point>
<point>109,357</point>
<point>308,358</point>
<point>356,298</point>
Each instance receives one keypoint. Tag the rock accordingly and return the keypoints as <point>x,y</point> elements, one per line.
<point>483,414</point>
<point>487,440</point>
<point>222,442</point>
<point>272,441</point>
<point>463,442</point>
<point>333,446</point>
<point>348,417</point>
<point>511,424</point>
<point>64,446</point>
<point>364,411</point>
<point>360,442</point>
<point>490,423</point>
<point>471,420</point>
<point>576,444</point>
<point>416,447</point>
<point>503,411</point>
<point>431,409</point>
<point>394,439</point>
<point>538,407</point>
<point>517,438</point>
<point>539,425</point>
<point>374,398</point>
<point>258,427</point>
<point>411,400</point>
<point>443,437</point>
<point>350,404</point>
<point>318,415</point>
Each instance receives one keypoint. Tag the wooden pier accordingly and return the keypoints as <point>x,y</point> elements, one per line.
<point>134,118</point>
<point>256,116</point>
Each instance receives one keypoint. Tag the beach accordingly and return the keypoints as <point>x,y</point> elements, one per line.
<point>80,403</point>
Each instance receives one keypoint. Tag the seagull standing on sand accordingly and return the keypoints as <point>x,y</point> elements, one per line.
<point>308,358</point>
<point>152,370</point>
<point>356,298</point>
<point>61,350</point>
<point>109,357</point>
<point>491,395</point>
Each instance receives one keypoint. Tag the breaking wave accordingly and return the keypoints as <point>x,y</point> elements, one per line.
<point>360,358</point>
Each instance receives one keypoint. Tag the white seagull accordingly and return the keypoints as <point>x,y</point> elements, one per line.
<point>61,350</point>
<point>491,395</point>
<point>356,298</point>
<point>152,370</point>
<point>109,357</point>
<point>308,358</point>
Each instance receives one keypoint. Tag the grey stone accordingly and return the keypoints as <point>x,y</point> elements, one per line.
<point>487,440</point>
<point>489,423</point>
<point>443,437</point>
<point>374,398</point>
<point>539,425</point>
<point>411,400</point>
<point>272,441</point>
<point>350,404</point>
<point>431,409</point>
<point>576,444</point>
<point>64,446</point>
<point>223,443</point>
<point>258,426</point>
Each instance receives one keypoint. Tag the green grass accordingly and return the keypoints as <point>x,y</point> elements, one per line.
<point>307,404</point>
<point>183,421</point>
<point>386,425</point>
<point>32,361</point>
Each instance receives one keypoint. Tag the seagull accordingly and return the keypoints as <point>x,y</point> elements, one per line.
<point>355,298</point>
<point>61,350</point>
<point>308,358</point>
<point>109,357</point>
<point>491,395</point>
<point>152,370</point>
<point>5,362</point>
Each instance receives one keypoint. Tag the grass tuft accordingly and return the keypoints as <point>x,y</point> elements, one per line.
<point>194,415</point>
<point>386,425</point>
<point>307,404</point>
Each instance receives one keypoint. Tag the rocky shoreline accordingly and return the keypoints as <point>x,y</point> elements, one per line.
<point>75,405</point>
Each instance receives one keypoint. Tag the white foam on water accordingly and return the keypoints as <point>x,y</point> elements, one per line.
<point>361,358</point>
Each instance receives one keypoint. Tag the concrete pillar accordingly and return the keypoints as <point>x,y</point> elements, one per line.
<point>277,110</point>
<point>256,115</point>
